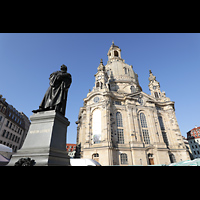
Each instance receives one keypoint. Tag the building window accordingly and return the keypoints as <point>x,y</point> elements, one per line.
<point>96,126</point>
<point>125,70</point>
<point>10,125</point>
<point>7,134</point>
<point>143,120</point>
<point>120,134</point>
<point>156,95</point>
<point>144,128</point>
<point>10,136</point>
<point>7,123</point>
<point>146,136</point>
<point>119,119</point>
<point>172,158</point>
<point>123,158</point>
<point>161,123</point>
<point>115,53</point>
<point>164,134</point>
<point>4,132</point>
<point>133,89</point>
<point>120,130</point>
<point>95,156</point>
<point>13,137</point>
<point>118,103</point>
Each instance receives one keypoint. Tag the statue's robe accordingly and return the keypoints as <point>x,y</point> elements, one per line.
<point>56,95</point>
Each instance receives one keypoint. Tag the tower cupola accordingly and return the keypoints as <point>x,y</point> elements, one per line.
<point>154,85</point>
<point>114,53</point>
<point>101,67</point>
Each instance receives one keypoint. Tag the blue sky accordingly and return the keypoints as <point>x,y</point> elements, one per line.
<point>27,60</point>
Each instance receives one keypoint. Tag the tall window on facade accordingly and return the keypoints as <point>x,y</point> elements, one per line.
<point>164,134</point>
<point>96,126</point>
<point>120,130</point>
<point>124,158</point>
<point>144,128</point>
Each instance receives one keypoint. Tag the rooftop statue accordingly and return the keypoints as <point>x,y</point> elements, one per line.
<point>55,97</point>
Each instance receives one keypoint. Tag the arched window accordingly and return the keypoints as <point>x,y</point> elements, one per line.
<point>172,157</point>
<point>143,120</point>
<point>144,128</point>
<point>99,84</point>
<point>124,158</point>
<point>161,123</point>
<point>119,119</point>
<point>96,126</point>
<point>164,134</point>
<point>115,53</point>
<point>120,130</point>
<point>95,156</point>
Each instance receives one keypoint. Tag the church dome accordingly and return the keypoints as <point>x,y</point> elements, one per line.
<point>118,71</point>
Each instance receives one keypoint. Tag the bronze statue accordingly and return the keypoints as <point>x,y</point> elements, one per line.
<point>55,97</point>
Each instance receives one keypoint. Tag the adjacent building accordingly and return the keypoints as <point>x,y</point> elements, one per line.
<point>71,149</point>
<point>14,125</point>
<point>187,147</point>
<point>119,124</point>
<point>193,137</point>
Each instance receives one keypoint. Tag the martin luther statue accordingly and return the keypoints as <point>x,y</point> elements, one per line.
<point>55,97</point>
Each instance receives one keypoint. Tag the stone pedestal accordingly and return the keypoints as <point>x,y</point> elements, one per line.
<point>46,140</point>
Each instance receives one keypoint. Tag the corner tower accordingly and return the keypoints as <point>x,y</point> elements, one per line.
<point>154,87</point>
<point>101,77</point>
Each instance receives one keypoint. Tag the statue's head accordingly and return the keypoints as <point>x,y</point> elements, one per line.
<point>63,68</point>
